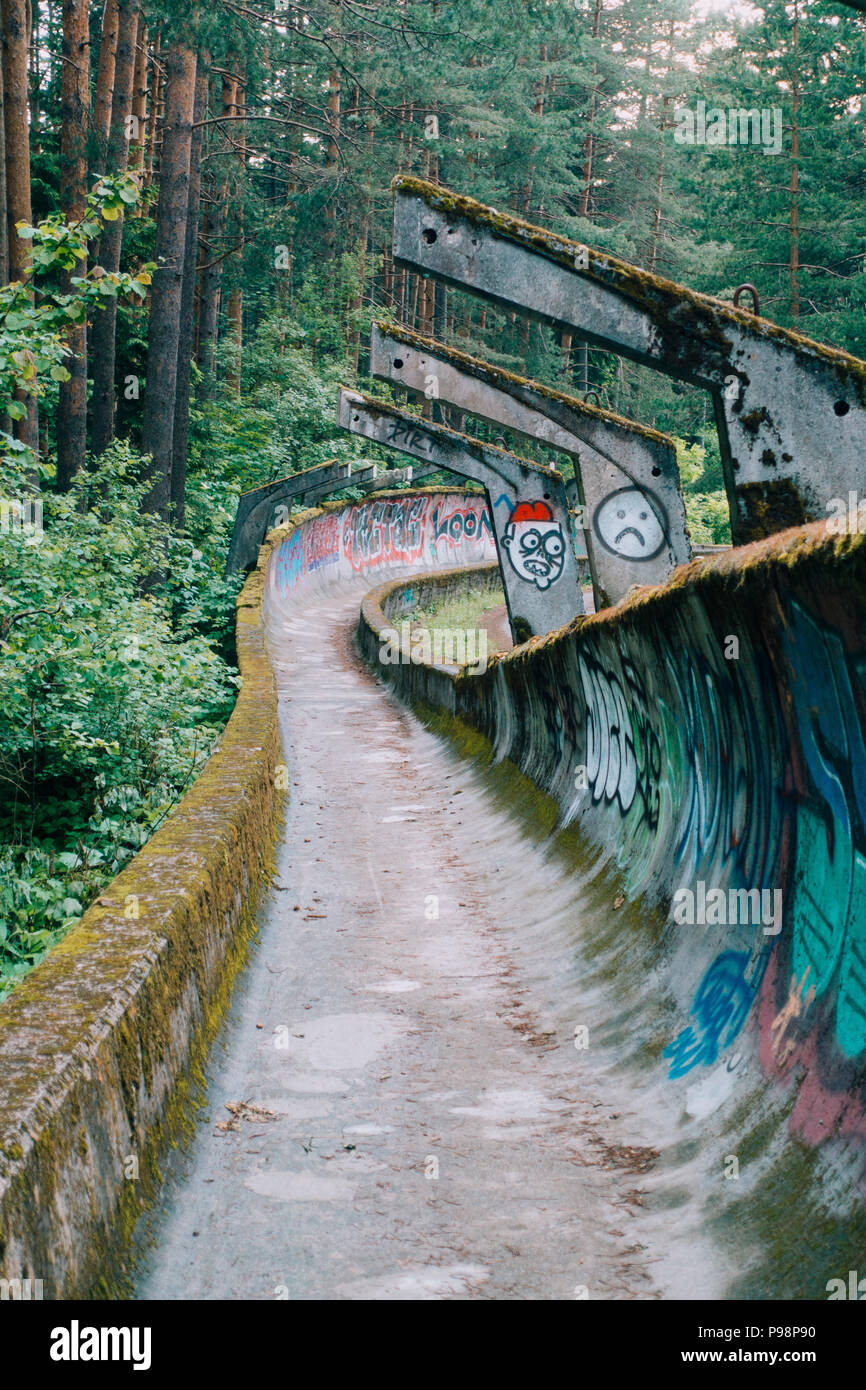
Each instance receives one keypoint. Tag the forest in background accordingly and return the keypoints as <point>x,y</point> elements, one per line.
<point>194,240</point>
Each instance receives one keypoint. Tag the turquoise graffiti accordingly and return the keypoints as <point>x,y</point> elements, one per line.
<point>827,914</point>
<point>824,887</point>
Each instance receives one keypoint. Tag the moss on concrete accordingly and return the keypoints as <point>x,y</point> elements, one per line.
<point>671,306</point>
<point>475,447</point>
<point>486,371</point>
<point>292,477</point>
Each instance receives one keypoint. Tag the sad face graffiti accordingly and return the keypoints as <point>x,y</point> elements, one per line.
<point>630,523</point>
<point>535,544</point>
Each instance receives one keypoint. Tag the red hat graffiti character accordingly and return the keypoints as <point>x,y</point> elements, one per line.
<point>535,543</point>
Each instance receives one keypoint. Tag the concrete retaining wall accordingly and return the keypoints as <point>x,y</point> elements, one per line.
<point>101,1046</point>
<point>387,605</point>
<point>709,736</point>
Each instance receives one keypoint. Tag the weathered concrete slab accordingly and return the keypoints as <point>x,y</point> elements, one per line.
<point>628,485</point>
<point>379,478</point>
<point>528,509</point>
<point>263,508</point>
<point>791,412</point>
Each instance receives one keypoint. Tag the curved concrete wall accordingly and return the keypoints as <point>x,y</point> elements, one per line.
<point>342,544</point>
<point>708,737</point>
<point>710,732</point>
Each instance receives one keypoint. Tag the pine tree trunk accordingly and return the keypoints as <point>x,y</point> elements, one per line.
<point>656,230</point>
<point>74,101</point>
<point>236,298</point>
<point>165,303</point>
<point>4,211</point>
<point>154,112</point>
<point>187,303</point>
<point>413,312</point>
<point>236,334</point>
<point>589,142</point>
<point>104,327</point>
<point>333,153</point>
<point>794,187</point>
<point>565,350</point>
<point>139,101</point>
<point>16,117</point>
<point>440,310</point>
<point>584,204</point>
<point>104,91</point>
<point>358,299</point>
<point>211,279</point>
<point>5,420</point>
<point>363,239</point>
<point>17,142</point>
<point>33,44</point>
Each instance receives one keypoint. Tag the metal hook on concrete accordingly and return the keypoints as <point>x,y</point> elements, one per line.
<point>753,292</point>
<point>592,392</point>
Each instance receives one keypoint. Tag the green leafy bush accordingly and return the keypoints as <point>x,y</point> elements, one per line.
<point>112,694</point>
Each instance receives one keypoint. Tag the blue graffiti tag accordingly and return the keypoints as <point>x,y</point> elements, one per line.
<point>721,1006</point>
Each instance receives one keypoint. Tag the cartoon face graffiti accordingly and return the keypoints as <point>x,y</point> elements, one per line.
<point>535,544</point>
<point>630,523</point>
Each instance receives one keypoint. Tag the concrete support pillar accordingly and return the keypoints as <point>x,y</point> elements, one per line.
<point>791,412</point>
<point>629,500</point>
<point>528,509</point>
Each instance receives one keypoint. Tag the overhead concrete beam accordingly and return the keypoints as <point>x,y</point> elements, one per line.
<point>528,509</point>
<point>791,412</point>
<point>378,478</point>
<point>633,516</point>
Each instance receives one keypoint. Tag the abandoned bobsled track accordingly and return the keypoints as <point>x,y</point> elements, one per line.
<point>473,1054</point>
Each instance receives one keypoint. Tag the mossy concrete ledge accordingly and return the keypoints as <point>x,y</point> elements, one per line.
<point>102,1045</point>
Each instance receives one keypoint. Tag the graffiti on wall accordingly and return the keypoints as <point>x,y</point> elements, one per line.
<point>454,524</point>
<point>724,737</point>
<point>385,532</point>
<point>827,916</point>
<point>747,772</point>
<point>289,565</point>
<point>623,753</point>
<point>631,523</point>
<point>322,542</point>
<point>768,792</point>
<point>381,532</point>
<point>535,544</point>
<point>721,1006</point>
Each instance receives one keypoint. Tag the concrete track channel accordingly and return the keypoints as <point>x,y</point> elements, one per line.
<point>410,1116</point>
